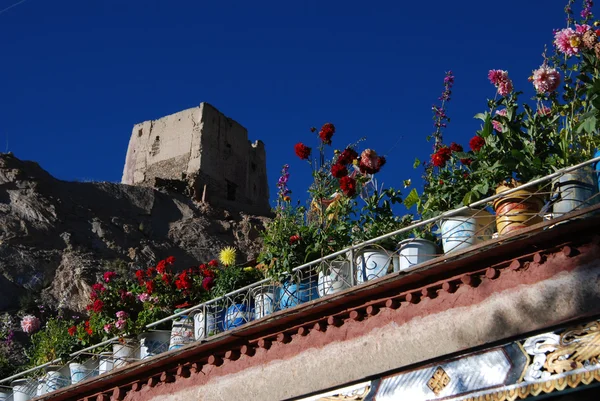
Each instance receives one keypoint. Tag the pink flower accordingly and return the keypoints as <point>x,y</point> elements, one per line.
<point>370,162</point>
<point>500,79</point>
<point>568,41</point>
<point>544,110</point>
<point>108,327</point>
<point>122,314</point>
<point>121,324</point>
<point>497,126</point>
<point>545,80</point>
<point>144,297</point>
<point>30,324</point>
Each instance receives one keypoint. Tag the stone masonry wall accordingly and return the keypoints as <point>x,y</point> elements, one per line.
<point>205,148</point>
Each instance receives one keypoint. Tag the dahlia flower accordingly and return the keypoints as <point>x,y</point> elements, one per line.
<point>30,324</point>
<point>476,143</point>
<point>227,256</point>
<point>567,41</point>
<point>326,133</point>
<point>500,79</point>
<point>370,162</point>
<point>545,79</point>
<point>302,151</point>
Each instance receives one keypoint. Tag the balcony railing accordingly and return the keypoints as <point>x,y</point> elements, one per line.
<point>561,194</point>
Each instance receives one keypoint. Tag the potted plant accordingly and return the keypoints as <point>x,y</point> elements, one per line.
<point>231,277</point>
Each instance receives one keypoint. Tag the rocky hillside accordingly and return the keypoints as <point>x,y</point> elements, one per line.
<point>56,237</point>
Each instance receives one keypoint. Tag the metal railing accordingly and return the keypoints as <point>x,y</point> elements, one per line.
<point>552,196</point>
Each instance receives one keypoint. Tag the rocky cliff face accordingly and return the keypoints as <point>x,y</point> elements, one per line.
<point>57,237</point>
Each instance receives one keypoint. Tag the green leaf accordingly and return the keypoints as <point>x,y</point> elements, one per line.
<point>467,199</point>
<point>412,199</point>
<point>480,116</point>
<point>417,163</point>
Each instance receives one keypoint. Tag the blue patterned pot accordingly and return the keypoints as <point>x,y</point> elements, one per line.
<point>236,315</point>
<point>292,293</point>
<point>596,167</point>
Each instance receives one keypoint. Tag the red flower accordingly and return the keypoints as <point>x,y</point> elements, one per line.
<point>184,305</point>
<point>93,295</point>
<point>327,131</point>
<point>161,266</point>
<point>466,175</point>
<point>98,287</point>
<point>97,306</point>
<point>208,283</point>
<point>348,186</point>
<point>149,287</point>
<point>72,330</point>
<point>213,263</point>
<point>150,271</point>
<point>455,147</point>
<point>207,272</point>
<point>339,170</point>
<point>166,279</point>
<point>441,182</point>
<point>476,143</point>
<point>302,151</point>
<point>108,276</point>
<point>183,282</point>
<point>597,32</point>
<point>140,275</point>
<point>170,260</point>
<point>466,162</point>
<point>347,156</point>
<point>294,239</point>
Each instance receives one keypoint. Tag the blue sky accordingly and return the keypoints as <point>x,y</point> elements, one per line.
<point>76,75</point>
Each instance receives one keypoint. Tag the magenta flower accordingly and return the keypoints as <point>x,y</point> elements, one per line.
<point>108,276</point>
<point>122,314</point>
<point>144,297</point>
<point>567,41</point>
<point>545,79</point>
<point>108,327</point>
<point>500,79</point>
<point>121,324</point>
<point>30,324</point>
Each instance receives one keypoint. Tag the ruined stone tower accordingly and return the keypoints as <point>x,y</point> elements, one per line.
<point>202,152</point>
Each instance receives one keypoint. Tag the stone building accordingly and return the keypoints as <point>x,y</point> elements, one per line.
<point>203,152</point>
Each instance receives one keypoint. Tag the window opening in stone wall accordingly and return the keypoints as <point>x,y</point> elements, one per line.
<point>231,188</point>
<point>140,132</point>
<point>155,146</point>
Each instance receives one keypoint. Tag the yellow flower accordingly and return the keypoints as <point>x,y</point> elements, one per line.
<point>248,269</point>
<point>227,256</point>
<point>575,41</point>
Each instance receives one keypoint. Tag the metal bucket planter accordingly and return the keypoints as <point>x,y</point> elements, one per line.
<point>182,332</point>
<point>466,229</point>
<point>236,315</point>
<point>518,210</point>
<point>55,377</point>
<point>574,191</point>
<point>23,389</point>
<point>124,352</point>
<point>265,301</point>
<point>81,371</point>
<point>335,277</point>
<point>372,263</point>
<point>206,322</point>
<point>292,293</point>
<point>414,251</point>
<point>154,343</point>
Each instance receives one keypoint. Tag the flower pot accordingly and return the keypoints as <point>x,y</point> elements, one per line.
<point>264,301</point>
<point>206,323</point>
<point>182,332</point>
<point>372,264</point>
<point>292,293</point>
<point>82,371</point>
<point>105,362</point>
<point>55,377</point>
<point>124,353</point>
<point>516,211</point>
<point>468,228</point>
<point>335,277</point>
<point>237,315</point>
<point>573,191</point>
<point>414,251</point>
<point>5,394</point>
<point>23,389</point>
<point>154,343</point>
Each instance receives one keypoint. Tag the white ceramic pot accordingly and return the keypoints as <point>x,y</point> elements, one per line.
<point>372,264</point>
<point>82,371</point>
<point>5,394</point>
<point>574,191</point>
<point>414,251</point>
<point>105,363</point>
<point>154,343</point>
<point>464,230</point>
<point>55,377</point>
<point>205,326</point>
<point>335,277</point>
<point>182,332</point>
<point>264,301</point>
<point>23,389</point>
<point>124,353</point>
